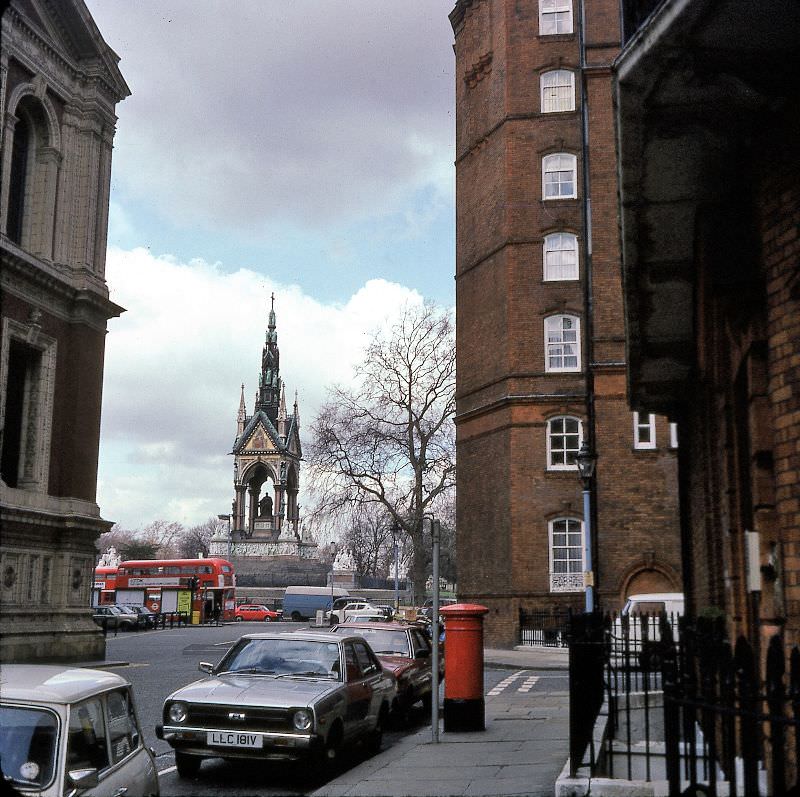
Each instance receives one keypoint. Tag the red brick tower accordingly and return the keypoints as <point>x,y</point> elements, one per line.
<point>540,326</point>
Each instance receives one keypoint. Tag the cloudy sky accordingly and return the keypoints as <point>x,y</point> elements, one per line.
<point>301,148</point>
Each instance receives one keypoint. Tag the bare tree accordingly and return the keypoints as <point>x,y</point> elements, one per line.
<point>368,538</point>
<point>390,439</point>
<point>197,539</point>
<point>163,535</point>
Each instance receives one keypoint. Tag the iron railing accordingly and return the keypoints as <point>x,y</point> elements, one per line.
<point>663,699</point>
<point>548,629</point>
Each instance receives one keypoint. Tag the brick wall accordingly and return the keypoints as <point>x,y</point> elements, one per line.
<point>506,494</point>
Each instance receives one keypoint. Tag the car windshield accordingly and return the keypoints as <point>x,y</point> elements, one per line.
<point>284,657</point>
<point>382,640</point>
<point>28,746</point>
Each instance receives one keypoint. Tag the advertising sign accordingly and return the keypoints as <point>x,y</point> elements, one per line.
<point>155,581</point>
<point>184,601</point>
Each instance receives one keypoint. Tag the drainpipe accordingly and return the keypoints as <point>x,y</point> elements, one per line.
<point>588,295</point>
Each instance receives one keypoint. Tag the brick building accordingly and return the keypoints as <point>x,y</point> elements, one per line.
<point>709,132</point>
<point>540,326</point>
<point>59,85</point>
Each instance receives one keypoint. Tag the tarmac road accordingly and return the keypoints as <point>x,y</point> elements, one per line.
<point>158,662</point>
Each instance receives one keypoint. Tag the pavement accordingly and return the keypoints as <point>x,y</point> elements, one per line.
<point>521,752</point>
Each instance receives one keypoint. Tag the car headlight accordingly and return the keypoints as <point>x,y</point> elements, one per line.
<point>302,719</point>
<point>178,712</point>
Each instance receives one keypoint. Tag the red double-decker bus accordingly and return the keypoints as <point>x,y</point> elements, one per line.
<point>204,588</point>
<point>105,586</point>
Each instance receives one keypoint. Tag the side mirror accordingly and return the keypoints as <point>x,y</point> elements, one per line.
<point>84,778</point>
<point>206,667</point>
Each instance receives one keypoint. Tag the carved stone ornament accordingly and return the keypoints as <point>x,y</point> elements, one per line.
<point>77,578</point>
<point>9,577</point>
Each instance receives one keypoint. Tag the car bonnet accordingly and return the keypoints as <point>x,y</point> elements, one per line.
<point>256,690</point>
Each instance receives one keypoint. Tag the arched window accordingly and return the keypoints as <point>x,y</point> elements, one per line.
<point>566,554</point>
<point>562,340</point>
<point>560,256</point>
<point>564,438</point>
<point>558,91</point>
<point>559,176</point>
<point>21,152</point>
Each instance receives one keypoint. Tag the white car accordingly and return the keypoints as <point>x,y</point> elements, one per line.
<point>67,731</point>
<point>645,609</point>
<point>350,610</point>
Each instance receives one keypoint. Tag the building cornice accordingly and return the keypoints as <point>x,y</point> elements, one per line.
<point>55,289</point>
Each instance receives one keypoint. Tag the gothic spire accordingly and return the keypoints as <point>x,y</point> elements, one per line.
<point>269,383</point>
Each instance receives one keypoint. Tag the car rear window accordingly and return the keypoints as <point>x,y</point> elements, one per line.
<point>382,640</point>
<point>28,746</point>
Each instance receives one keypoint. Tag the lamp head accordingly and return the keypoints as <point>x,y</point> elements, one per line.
<point>586,460</point>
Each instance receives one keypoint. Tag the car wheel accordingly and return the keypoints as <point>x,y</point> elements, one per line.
<point>427,703</point>
<point>238,618</point>
<point>334,619</point>
<point>375,739</point>
<point>267,618</point>
<point>187,765</point>
<point>327,757</point>
<point>296,617</point>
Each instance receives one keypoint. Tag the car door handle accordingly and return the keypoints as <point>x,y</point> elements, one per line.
<point>120,791</point>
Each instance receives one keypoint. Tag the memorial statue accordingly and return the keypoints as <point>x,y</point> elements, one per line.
<point>265,507</point>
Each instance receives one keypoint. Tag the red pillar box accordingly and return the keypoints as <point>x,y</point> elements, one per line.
<point>464,707</point>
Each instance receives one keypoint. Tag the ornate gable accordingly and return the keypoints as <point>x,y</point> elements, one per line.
<point>259,436</point>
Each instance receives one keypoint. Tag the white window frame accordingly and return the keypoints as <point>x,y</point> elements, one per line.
<point>555,343</point>
<point>560,164</point>
<point>555,17</point>
<point>673,435</point>
<point>555,266</point>
<point>551,434</point>
<point>639,440</point>
<point>570,580</point>
<point>559,95</point>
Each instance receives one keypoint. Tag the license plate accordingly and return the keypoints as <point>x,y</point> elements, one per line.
<point>234,739</point>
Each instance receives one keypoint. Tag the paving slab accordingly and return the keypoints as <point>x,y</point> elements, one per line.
<point>521,752</point>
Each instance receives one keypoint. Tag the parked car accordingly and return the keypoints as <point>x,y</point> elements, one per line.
<point>256,611</point>
<point>366,616</point>
<point>637,629</point>
<point>71,731</point>
<point>281,697</point>
<point>112,617</point>
<point>144,617</point>
<point>406,652</point>
<point>351,608</point>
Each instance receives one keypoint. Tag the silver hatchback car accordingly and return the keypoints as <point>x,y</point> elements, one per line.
<point>71,731</point>
<point>281,697</point>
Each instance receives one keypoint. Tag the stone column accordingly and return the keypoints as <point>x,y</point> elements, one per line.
<point>251,515</point>
<point>239,510</point>
<point>5,168</point>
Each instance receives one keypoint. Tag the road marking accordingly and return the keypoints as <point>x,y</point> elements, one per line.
<point>505,683</point>
<point>528,683</point>
<point>166,771</point>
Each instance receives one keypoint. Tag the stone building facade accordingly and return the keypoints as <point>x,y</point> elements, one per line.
<point>709,172</point>
<point>59,85</point>
<point>540,324</point>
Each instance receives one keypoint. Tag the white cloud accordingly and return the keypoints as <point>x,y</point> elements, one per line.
<point>244,115</point>
<point>191,334</point>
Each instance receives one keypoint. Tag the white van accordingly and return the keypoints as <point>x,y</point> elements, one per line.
<point>649,606</point>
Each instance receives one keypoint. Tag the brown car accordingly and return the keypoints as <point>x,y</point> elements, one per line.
<point>405,651</point>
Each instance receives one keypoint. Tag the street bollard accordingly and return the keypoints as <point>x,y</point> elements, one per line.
<point>464,707</point>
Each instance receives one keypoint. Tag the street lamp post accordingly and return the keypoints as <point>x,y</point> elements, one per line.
<point>586,460</point>
<point>395,530</point>
<point>332,549</point>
